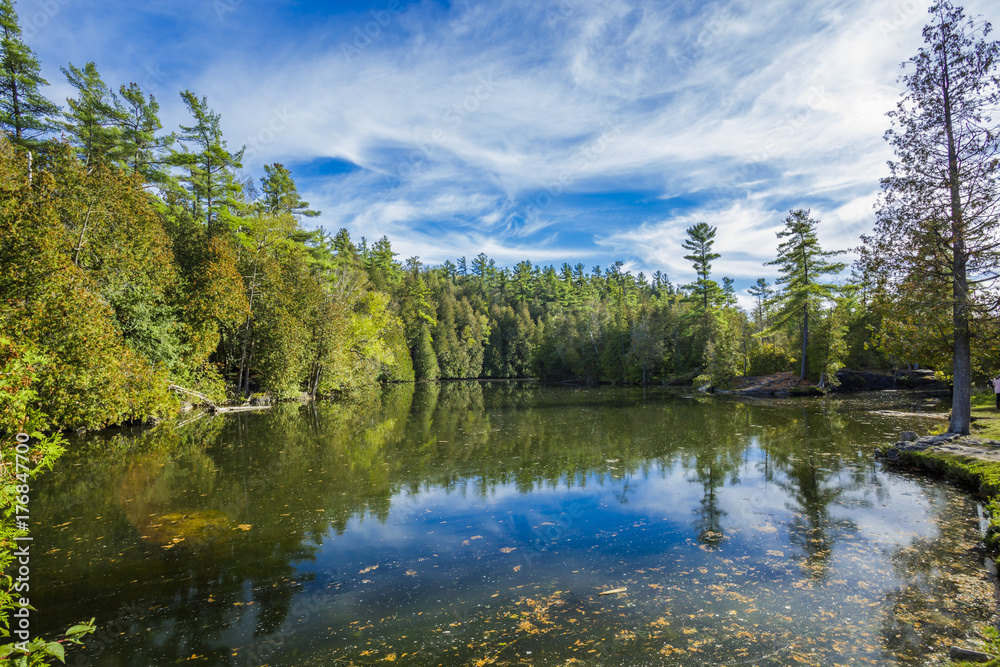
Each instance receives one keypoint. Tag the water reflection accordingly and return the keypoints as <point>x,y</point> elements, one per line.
<point>478,524</point>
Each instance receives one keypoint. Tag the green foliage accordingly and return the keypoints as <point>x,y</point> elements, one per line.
<point>91,118</point>
<point>280,195</point>
<point>24,111</point>
<point>92,377</point>
<point>142,152</point>
<point>510,348</point>
<point>207,163</point>
<point>802,263</point>
<point>701,238</point>
<point>767,358</point>
<point>724,355</point>
<point>25,451</point>
<point>425,365</point>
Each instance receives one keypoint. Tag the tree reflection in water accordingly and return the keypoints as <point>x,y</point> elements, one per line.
<point>462,522</point>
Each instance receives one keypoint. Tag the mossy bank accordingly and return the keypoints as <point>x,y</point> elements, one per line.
<point>972,461</point>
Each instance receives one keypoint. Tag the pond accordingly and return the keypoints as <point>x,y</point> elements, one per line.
<point>510,524</point>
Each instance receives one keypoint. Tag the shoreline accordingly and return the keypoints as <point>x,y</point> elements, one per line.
<point>974,465</point>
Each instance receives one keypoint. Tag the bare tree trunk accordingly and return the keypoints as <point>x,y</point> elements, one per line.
<point>961,398</point>
<point>247,371</point>
<point>316,378</point>
<point>244,361</point>
<point>83,233</point>
<point>805,341</point>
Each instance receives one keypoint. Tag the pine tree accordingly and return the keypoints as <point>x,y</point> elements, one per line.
<point>209,179</point>
<point>142,152</point>
<point>760,291</point>
<point>24,111</point>
<point>92,119</point>
<point>729,292</point>
<point>701,238</point>
<point>802,263</point>
<point>280,193</point>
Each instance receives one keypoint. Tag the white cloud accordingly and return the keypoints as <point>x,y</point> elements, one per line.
<point>460,117</point>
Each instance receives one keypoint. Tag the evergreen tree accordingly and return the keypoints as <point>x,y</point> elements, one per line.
<point>24,111</point>
<point>728,293</point>
<point>208,164</point>
<point>425,365</point>
<point>802,263</point>
<point>91,120</point>
<point>346,251</point>
<point>701,238</point>
<point>480,263</point>
<point>280,193</point>
<point>762,292</point>
<point>142,151</point>
<point>935,236</point>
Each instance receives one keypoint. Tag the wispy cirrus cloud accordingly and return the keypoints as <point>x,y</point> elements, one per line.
<point>559,130</point>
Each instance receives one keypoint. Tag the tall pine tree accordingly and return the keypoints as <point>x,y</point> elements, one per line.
<point>24,111</point>
<point>701,238</point>
<point>91,120</point>
<point>207,161</point>
<point>802,263</point>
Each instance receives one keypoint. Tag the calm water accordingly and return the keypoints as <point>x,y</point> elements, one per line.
<point>480,523</point>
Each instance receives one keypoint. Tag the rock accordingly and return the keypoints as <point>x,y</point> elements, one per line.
<point>968,654</point>
<point>908,436</point>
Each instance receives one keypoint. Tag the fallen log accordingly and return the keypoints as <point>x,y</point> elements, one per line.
<point>928,415</point>
<point>238,408</point>
<point>205,400</point>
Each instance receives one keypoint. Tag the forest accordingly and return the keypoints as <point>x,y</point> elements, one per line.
<point>134,259</point>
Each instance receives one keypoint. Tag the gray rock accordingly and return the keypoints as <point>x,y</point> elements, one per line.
<point>968,654</point>
<point>908,436</point>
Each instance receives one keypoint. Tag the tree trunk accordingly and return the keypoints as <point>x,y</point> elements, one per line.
<point>244,361</point>
<point>961,398</point>
<point>247,371</point>
<point>243,357</point>
<point>805,341</point>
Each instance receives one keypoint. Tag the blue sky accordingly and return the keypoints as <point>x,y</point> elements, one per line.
<point>550,130</point>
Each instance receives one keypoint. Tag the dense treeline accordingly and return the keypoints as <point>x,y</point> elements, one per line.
<point>133,259</point>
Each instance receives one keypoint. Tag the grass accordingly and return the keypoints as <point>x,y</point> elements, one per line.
<point>991,639</point>
<point>987,417</point>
